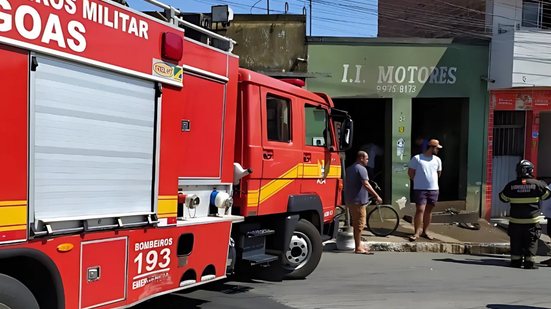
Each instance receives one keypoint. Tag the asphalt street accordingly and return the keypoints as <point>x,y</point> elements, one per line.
<point>384,280</point>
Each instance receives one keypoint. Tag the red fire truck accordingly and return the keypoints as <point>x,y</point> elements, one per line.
<point>137,162</point>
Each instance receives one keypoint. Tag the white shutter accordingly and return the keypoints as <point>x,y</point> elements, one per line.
<point>92,142</point>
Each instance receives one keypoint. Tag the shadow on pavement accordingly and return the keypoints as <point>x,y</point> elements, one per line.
<point>487,262</point>
<point>403,234</point>
<point>227,288</point>
<point>497,306</point>
<point>172,301</point>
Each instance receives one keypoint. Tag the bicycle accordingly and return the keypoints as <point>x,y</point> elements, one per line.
<point>382,220</point>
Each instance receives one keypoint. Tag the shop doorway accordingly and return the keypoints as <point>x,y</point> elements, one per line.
<point>544,147</point>
<point>445,119</point>
<point>507,151</point>
<point>372,125</point>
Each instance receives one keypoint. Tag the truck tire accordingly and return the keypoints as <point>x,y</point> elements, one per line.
<point>304,252</point>
<point>15,295</point>
<point>301,257</point>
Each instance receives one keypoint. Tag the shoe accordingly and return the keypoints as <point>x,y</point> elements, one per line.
<point>451,211</point>
<point>530,265</point>
<point>516,263</point>
<point>470,226</point>
<point>413,237</point>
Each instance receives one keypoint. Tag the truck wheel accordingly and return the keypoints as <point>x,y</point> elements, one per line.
<point>301,257</point>
<point>15,295</point>
<point>304,252</point>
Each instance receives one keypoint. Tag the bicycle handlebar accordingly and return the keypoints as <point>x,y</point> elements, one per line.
<point>376,187</point>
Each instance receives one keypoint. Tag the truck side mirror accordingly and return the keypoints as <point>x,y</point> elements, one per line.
<point>327,137</point>
<point>346,134</point>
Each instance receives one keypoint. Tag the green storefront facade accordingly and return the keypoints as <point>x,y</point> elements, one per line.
<point>400,92</point>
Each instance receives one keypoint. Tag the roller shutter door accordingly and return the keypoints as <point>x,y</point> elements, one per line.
<point>92,142</point>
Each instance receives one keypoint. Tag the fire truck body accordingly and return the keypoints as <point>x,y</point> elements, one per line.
<point>121,161</point>
<point>96,153</point>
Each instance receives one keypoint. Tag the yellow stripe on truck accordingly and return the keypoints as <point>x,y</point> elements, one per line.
<point>310,171</point>
<point>252,198</point>
<point>315,171</point>
<point>13,215</point>
<point>167,206</point>
<point>168,197</point>
<point>278,184</point>
<point>13,203</point>
<point>13,228</point>
<point>334,171</point>
<point>292,173</point>
<point>273,187</point>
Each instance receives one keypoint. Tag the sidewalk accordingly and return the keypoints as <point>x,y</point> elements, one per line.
<point>491,238</point>
<point>448,238</point>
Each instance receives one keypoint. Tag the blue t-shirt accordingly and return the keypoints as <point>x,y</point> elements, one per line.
<point>354,189</point>
<point>426,171</point>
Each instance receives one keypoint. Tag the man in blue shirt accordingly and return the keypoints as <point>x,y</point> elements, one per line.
<point>356,194</point>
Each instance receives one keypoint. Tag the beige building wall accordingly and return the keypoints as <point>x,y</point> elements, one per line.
<point>270,43</point>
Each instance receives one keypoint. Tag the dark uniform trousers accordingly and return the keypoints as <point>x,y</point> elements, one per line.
<point>524,241</point>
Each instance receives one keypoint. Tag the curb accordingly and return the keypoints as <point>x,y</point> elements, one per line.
<point>455,248</point>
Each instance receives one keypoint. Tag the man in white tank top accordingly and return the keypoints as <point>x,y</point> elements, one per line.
<point>425,169</point>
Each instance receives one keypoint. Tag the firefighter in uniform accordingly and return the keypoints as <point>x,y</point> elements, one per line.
<point>524,194</point>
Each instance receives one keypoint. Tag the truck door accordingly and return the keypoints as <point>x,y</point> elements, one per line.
<point>281,152</point>
<point>321,167</point>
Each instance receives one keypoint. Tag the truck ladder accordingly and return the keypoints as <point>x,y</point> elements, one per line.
<point>172,14</point>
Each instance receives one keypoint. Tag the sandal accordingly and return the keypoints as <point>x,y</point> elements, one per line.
<point>413,237</point>
<point>470,226</point>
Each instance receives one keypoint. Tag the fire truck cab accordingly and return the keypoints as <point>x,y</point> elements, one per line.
<point>287,138</point>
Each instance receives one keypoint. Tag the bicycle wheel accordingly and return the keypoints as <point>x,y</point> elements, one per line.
<point>383,220</point>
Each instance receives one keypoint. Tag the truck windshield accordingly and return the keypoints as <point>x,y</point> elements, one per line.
<point>316,126</point>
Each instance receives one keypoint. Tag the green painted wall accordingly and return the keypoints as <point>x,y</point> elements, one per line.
<point>402,71</point>
<point>401,128</point>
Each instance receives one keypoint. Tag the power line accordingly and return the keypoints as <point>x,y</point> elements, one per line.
<point>319,18</point>
<point>441,16</point>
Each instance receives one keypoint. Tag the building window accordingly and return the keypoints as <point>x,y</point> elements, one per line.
<point>536,14</point>
<point>315,126</point>
<point>278,119</point>
<point>532,13</point>
<point>509,131</point>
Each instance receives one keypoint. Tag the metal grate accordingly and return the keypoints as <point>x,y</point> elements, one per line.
<point>508,149</point>
<point>509,133</point>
